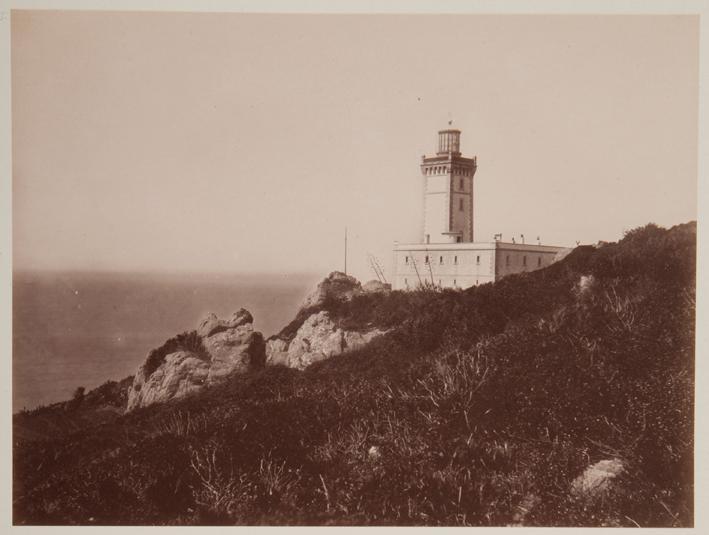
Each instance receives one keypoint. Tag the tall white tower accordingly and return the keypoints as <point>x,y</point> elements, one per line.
<point>448,192</point>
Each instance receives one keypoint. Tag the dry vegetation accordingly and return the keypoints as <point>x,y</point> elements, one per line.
<point>479,408</point>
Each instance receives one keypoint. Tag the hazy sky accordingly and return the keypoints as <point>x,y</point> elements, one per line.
<point>231,142</point>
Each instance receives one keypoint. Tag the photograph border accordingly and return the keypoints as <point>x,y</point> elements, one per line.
<point>650,7</point>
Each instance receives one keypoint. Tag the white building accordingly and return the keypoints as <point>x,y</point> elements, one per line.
<point>448,256</point>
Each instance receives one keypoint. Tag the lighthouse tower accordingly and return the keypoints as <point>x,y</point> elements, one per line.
<point>448,192</point>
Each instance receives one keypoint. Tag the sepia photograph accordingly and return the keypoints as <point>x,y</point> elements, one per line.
<point>271,267</point>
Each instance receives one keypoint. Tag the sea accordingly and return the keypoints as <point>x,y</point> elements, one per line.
<point>72,329</point>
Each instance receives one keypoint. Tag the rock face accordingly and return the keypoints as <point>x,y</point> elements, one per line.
<point>597,478</point>
<point>336,285</point>
<point>319,338</point>
<point>232,346</point>
<point>211,324</point>
<point>235,350</point>
<point>375,286</point>
<point>180,374</point>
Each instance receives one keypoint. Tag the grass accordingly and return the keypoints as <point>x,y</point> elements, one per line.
<point>478,408</point>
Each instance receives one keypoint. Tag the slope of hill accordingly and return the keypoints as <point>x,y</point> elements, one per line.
<point>559,397</point>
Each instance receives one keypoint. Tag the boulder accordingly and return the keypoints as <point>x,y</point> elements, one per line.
<point>236,349</point>
<point>356,340</point>
<point>232,346</point>
<point>597,479</point>
<point>319,338</point>
<point>211,324</point>
<point>375,286</point>
<point>180,373</point>
<point>336,285</point>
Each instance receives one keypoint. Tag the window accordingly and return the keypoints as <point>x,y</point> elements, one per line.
<point>462,184</point>
<point>539,262</point>
<point>455,283</point>
<point>477,260</point>
<point>407,259</point>
<point>458,239</point>
<point>426,260</point>
<point>440,260</point>
<point>507,260</point>
<point>524,261</point>
<point>455,260</point>
<point>460,204</point>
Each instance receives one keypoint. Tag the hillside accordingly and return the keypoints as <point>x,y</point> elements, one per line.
<point>562,397</point>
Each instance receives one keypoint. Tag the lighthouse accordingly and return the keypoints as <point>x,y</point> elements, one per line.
<point>448,256</point>
<point>448,192</point>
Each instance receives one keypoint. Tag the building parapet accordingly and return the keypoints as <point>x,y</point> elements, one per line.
<point>507,246</point>
<point>480,246</point>
<point>462,246</point>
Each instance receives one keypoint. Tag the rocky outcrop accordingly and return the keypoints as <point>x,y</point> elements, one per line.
<point>236,349</point>
<point>180,374</point>
<point>375,286</point>
<point>597,479</point>
<point>232,346</point>
<point>211,324</point>
<point>319,338</point>
<point>336,285</point>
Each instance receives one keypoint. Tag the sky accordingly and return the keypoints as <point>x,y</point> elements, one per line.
<point>247,143</point>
